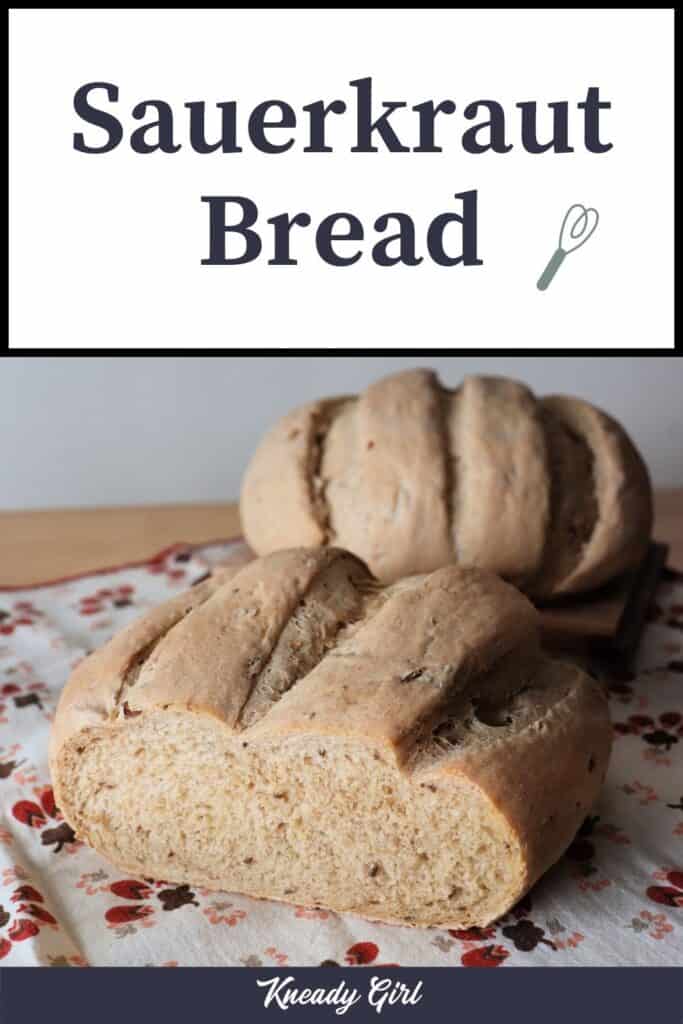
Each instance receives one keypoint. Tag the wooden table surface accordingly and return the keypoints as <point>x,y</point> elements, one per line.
<point>42,545</point>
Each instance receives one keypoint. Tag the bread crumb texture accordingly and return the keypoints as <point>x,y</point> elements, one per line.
<point>298,731</point>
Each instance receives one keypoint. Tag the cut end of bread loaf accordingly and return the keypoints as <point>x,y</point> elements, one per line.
<point>405,753</point>
<point>323,823</point>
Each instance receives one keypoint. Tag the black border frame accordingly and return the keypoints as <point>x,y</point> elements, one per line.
<point>601,993</point>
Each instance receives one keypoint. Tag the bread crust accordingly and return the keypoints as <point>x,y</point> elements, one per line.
<point>623,494</point>
<point>411,476</point>
<point>303,649</point>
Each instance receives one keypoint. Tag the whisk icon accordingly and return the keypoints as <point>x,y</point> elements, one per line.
<point>572,236</point>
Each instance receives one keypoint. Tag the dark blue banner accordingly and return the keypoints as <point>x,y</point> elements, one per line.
<point>568,996</point>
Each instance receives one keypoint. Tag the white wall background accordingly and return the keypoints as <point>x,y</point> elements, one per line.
<point>125,430</point>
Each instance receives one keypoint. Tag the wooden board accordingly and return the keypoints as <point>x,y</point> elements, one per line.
<point>608,624</point>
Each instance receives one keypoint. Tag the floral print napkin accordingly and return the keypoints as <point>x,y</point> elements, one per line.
<point>615,898</point>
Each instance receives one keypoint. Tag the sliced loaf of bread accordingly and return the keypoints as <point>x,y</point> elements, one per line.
<point>295,730</point>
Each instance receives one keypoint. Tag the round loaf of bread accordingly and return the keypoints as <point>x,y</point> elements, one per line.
<point>549,493</point>
<point>292,729</point>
